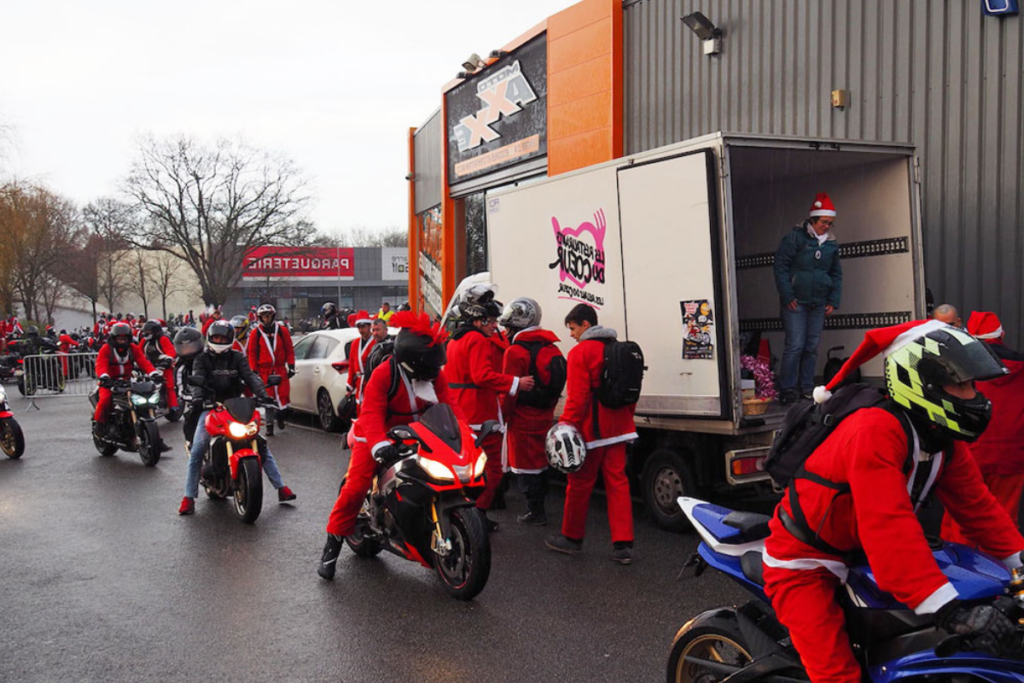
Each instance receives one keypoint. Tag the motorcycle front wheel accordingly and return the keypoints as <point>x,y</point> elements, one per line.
<point>249,490</point>
<point>464,569</point>
<point>708,653</point>
<point>149,443</point>
<point>12,440</point>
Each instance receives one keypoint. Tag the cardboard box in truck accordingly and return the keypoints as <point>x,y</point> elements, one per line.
<point>675,248</point>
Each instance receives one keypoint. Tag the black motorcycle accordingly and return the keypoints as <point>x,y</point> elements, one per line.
<point>12,441</point>
<point>131,425</point>
<point>39,369</point>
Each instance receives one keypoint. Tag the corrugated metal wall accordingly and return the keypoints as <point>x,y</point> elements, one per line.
<point>427,144</point>
<point>936,73</point>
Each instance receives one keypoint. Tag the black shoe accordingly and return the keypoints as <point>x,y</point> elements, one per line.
<point>489,524</point>
<point>533,519</point>
<point>164,448</point>
<point>789,397</point>
<point>623,555</point>
<point>329,560</point>
<point>561,544</point>
<point>97,429</point>
<point>270,427</point>
<point>280,419</point>
<point>808,395</point>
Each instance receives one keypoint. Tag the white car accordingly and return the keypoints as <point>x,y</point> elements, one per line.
<point>321,374</point>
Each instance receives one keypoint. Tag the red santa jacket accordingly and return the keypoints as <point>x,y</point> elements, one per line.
<point>270,351</point>
<point>164,347</point>
<point>1000,448</point>
<point>358,352</point>
<point>868,451</point>
<point>378,413</point>
<point>65,343</point>
<point>473,373</point>
<point>517,363</point>
<point>110,363</point>
<point>583,375</point>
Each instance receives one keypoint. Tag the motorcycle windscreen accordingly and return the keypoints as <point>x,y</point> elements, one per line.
<point>240,409</point>
<point>440,419</point>
<point>671,283</point>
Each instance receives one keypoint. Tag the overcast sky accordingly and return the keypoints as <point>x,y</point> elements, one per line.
<point>333,85</point>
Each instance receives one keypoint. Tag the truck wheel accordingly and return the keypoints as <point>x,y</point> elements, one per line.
<point>666,477</point>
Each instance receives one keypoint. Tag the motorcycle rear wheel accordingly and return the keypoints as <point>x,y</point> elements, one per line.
<point>149,443</point>
<point>12,440</point>
<point>466,567</point>
<point>718,642</point>
<point>249,490</point>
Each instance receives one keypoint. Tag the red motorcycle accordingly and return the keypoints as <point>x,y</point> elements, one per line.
<point>422,506</point>
<point>232,465</point>
<point>12,441</point>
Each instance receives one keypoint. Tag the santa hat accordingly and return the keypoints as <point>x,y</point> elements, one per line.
<point>822,206</point>
<point>351,319</point>
<point>985,325</point>
<point>419,325</point>
<point>363,318</point>
<point>885,341</point>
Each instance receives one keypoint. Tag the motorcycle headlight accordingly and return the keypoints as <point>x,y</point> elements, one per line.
<point>3,394</point>
<point>238,430</point>
<point>251,429</point>
<point>436,470</point>
<point>139,400</point>
<point>481,463</point>
<point>154,399</point>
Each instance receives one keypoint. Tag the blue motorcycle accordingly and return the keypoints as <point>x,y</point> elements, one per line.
<point>748,643</point>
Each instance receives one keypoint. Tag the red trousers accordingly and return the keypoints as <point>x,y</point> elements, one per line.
<point>1007,490</point>
<point>610,461</point>
<point>103,405</point>
<point>172,395</point>
<point>805,602</point>
<point>358,480</point>
<point>282,392</point>
<point>493,471</point>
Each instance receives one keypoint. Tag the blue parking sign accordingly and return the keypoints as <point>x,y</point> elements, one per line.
<point>999,7</point>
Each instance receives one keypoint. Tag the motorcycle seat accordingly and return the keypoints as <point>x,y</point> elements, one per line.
<point>752,525</point>
<point>752,567</point>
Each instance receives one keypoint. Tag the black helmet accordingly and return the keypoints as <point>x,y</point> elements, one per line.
<point>418,355</point>
<point>328,310</point>
<point>916,376</point>
<point>32,331</point>
<point>220,336</point>
<point>188,342</point>
<point>152,330</point>
<point>120,336</point>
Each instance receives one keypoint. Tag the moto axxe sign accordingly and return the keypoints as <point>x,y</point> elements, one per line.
<point>499,117</point>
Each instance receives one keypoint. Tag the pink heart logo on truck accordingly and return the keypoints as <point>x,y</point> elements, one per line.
<point>578,261</point>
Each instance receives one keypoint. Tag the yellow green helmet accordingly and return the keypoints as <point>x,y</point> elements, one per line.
<point>917,373</point>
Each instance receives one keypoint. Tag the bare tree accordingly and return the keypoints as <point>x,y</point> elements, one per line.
<point>110,219</point>
<point>51,290</point>
<point>83,268</point>
<point>211,206</point>
<point>361,236</point>
<point>163,272</point>
<point>138,278</point>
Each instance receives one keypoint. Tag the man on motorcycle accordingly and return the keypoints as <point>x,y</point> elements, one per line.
<point>388,401</point>
<point>160,351</point>
<point>223,373</point>
<point>860,489</point>
<point>117,359</point>
<point>271,352</point>
<point>241,325</point>
<point>357,353</point>
<point>331,315</point>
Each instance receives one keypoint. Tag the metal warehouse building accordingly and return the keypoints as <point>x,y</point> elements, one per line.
<point>607,78</point>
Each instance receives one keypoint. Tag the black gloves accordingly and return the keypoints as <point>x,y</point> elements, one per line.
<point>265,400</point>
<point>983,627</point>
<point>387,455</point>
<point>291,371</point>
<point>106,382</point>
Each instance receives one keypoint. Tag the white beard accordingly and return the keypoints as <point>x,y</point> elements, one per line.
<point>424,390</point>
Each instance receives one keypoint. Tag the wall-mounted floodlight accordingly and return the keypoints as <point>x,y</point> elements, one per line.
<point>709,34</point>
<point>473,63</point>
<point>498,54</point>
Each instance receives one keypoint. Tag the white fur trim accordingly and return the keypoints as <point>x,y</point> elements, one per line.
<point>808,564</point>
<point>515,386</point>
<point>821,394</point>
<point>991,335</point>
<point>914,333</point>
<point>934,602</point>
<point>632,436</point>
<point>822,212</point>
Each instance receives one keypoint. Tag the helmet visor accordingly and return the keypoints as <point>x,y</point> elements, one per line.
<point>956,358</point>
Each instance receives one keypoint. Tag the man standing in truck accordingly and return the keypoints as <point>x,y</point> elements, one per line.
<point>809,279</point>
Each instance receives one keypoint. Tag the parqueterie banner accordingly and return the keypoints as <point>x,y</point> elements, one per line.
<point>299,264</point>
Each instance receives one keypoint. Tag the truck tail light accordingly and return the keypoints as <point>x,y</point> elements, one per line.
<point>341,366</point>
<point>744,466</point>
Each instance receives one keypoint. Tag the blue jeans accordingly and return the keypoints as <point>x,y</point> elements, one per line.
<point>800,355</point>
<point>201,441</point>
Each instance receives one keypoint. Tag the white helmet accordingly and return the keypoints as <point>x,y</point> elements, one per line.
<point>520,313</point>
<point>473,302</point>
<point>565,448</point>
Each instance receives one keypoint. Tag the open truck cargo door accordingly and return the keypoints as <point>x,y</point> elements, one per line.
<point>672,284</point>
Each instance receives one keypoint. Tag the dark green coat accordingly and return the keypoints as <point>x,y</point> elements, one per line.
<point>800,274</point>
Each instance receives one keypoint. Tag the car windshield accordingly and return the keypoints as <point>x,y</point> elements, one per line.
<point>441,420</point>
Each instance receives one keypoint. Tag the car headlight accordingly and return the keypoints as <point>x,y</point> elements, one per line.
<point>436,470</point>
<point>139,400</point>
<point>238,430</point>
<point>481,463</point>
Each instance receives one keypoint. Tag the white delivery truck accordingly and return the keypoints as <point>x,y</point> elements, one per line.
<point>675,248</point>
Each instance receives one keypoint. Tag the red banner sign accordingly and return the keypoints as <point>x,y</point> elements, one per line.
<point>299,263</point>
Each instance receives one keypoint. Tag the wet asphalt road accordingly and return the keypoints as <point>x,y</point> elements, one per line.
<point>101,580</point>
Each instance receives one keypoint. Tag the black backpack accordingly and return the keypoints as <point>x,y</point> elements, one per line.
<point>543,395</point>
<point>380,352</point>
<point>623,374</point>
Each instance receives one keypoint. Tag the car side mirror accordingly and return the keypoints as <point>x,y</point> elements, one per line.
<point>273,380</point>
<point>486,429</point>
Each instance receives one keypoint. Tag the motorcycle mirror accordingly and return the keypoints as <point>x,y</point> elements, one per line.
<point>401,433</point>
<point>273,380</point>
<point>486,429</point>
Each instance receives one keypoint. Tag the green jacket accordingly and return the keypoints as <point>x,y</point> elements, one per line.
<point>807,272</point>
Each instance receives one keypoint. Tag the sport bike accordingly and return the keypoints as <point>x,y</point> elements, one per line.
<point>748,643</point>
<point>12,441</point>
<point>131,424</point>
<point>422,508</point>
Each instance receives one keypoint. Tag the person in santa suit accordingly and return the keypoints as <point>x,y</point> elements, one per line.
<point>117,359</point>
<point>159,349</point>
<point>65,344</point>
<point>213,314</point>
<point>606,432</point>
<point>474,373</point>
<point>860,489</point>
<point>99,327</point>
<point>999,451</point>
<point>532,351</point>
<point>418,356</point>
<point>271,352</point>
<point>358,352</point>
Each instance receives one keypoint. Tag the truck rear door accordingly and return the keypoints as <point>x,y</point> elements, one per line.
<point>672,285</point>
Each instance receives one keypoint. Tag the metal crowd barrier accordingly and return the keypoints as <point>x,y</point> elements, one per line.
<point>58,374</point>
